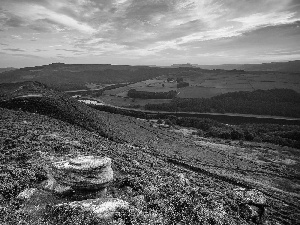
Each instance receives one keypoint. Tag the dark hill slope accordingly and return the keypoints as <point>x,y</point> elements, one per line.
<point>6,69</point>
<point>37,98</point>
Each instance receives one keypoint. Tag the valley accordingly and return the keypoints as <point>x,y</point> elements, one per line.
<point>197,162</point>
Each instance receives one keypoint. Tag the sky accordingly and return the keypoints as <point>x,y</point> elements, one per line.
<point>148,32</point>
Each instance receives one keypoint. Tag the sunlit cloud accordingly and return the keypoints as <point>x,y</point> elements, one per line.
<point>150,30</point>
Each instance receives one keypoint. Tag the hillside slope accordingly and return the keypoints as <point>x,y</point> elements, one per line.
<point>147,160</point>
<point>35,97</point>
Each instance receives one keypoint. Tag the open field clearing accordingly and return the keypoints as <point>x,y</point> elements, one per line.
<point>209,84</point>
<point>128,102</point>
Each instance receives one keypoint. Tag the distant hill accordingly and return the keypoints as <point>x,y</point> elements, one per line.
<point>6,69</point>
<point>77,76</point>
<point>291,66</point>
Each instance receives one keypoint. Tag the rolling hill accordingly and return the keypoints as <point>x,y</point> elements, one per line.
<point>76,76</point>
<point>291,67</point>
<point>6,69</point>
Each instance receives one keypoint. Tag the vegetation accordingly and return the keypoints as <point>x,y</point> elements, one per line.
<point>165,176</point>
<point>132,93</point>
<point>275,102</point>
<point>182,84</point>
<point>285,135</point>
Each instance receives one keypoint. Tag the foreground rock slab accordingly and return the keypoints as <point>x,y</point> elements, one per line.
<point>84,172</point>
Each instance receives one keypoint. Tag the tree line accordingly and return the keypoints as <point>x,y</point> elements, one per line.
<point>275,102</point>
<point>132,93</point>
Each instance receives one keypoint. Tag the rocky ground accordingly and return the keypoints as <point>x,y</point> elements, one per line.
<point>167,175</point>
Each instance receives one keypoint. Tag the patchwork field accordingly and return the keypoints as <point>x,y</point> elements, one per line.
<point>204,85</point>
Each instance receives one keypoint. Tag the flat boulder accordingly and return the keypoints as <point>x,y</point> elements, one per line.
<point>84,172</point>
<point>103,208</point>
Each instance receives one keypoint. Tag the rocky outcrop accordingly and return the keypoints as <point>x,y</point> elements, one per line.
<point>86,178</point>
<point>252,205</point>
<point>83,173</point>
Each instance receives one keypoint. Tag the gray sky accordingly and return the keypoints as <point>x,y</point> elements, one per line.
<point>160,32</point>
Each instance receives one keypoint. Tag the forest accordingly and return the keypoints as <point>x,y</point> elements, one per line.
<point>284,135</point>
<point>132,93</point>
<point>274,102</point>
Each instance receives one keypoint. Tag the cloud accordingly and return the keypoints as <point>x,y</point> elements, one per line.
<point>19,37</point>
<point>143,28</point>
<point>69,50</point>
<point>40,50</point>
<point>258,20</point>
<point>21,55</point>
<point>32,12</point>
<point>14,49</point>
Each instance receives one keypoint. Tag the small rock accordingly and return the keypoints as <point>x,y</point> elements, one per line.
<point>152,192</point>
<point>139,201</point>
<point>2,199</point>
<point>27,193</point>
<point>252,205</point>
<point>34,201</point>
<point>128,190</point>
<point>102,208</point>
<point>136,163</point>
<point>182,179</point>
<point>52,185</point>
<point>250,213</point>
<point>255,197</point>
<point>250,196</point>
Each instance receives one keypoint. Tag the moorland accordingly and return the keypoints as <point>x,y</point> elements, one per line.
<point>171,170</point>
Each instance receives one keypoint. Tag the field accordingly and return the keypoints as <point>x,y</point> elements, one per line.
<point>205,84</point>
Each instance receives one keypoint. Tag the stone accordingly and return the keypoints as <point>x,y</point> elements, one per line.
<point>83,173</point>
<point>34,201</point>
<point>252,205</point>
<point>182,179</point>
<point>139,201</point>
<point>27,193</point>
<point>52,185</point>
<point>254,197</point>
<point>2,199</point>
<point>80,195</point>
<point>250,196</point>
<point>151,192</point>
<point>102,207</point>
<point>250,213</point>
